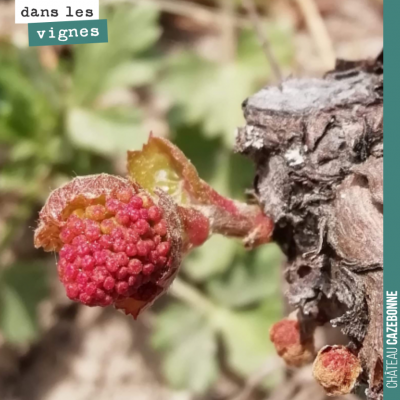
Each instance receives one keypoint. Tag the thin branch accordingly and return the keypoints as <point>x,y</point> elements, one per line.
<point>318,31</point>
<point>191,296</point>
<point>271,365</point>
<point>292,384</point>
<point>262,37</point>
<point>228,30</point>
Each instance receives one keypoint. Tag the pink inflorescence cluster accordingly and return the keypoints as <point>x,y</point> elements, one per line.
<point>114,250</point>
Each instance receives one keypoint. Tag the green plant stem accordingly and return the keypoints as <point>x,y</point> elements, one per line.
<point>191,296</point>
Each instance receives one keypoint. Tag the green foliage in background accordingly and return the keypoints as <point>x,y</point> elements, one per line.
<point>210,93</point>
<point>22,287</point>
<point>81,117</point>
<point>103,73</point>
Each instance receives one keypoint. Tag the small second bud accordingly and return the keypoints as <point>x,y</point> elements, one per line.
<point>296,349</point>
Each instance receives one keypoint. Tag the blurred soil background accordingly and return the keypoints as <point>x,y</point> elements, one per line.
<point>181,69</point>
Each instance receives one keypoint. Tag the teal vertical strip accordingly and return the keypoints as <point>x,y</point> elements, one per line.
<point>68,32</point>
<point>391,280</point>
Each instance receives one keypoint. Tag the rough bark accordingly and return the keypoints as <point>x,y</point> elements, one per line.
<point>318,148</point>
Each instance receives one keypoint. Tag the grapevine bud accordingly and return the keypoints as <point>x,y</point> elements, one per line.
<point>289,343</point>
<point>336,369</point>
<point>121,241</point>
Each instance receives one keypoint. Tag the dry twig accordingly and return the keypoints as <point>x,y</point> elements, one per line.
<point>257,24</point>
<point>228,30</point>
<point>271,364</point>
<point>318,31</point>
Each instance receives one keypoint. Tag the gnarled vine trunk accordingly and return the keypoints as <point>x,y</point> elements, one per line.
<point>318,148</point>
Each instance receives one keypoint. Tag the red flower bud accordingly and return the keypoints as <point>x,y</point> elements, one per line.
<point>98,265</point>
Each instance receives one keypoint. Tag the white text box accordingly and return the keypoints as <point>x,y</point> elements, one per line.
<point>31,11</point>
